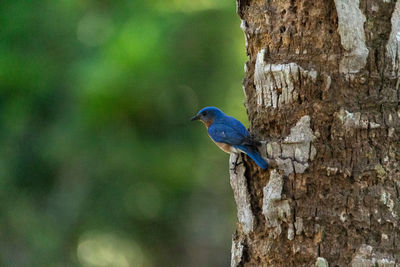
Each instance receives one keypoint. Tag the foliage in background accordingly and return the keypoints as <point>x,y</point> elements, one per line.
<point>99,164</point>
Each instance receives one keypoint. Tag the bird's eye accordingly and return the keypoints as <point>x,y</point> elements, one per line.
<point>204,113</point>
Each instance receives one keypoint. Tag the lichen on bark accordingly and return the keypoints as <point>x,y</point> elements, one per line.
<point>241,193</point>
<point>352,36</point>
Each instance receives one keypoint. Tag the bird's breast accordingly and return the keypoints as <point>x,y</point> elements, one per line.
<point>224,147</point>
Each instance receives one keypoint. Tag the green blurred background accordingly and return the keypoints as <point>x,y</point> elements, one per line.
<point>99,164</point>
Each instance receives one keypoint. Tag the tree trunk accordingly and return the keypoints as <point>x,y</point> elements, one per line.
<point>322,91</point>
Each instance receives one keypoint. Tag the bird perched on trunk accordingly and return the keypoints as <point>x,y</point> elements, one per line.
<point>229,134</point>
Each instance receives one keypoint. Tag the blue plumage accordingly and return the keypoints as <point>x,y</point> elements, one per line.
<point>230,134</point>
<point>221,132</point>
<point>254,155</point>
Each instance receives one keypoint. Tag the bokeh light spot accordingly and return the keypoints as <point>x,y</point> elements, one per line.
<point>105,249</point>
<point>94,29</point>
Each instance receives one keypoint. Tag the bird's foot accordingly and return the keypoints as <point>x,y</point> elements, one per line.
<point>235,164</point>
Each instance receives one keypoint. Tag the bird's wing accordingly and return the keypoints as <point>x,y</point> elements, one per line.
<point>221,132</point>
<point>238,127</point>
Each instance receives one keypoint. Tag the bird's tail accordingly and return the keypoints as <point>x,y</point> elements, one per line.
<point>252,152</point>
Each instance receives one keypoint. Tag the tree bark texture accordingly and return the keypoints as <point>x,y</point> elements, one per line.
<point>322,92</point>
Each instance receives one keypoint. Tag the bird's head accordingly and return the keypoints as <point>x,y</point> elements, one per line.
<point>208,115</point>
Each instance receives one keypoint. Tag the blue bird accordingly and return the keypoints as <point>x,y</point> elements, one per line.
<point>229,134</point>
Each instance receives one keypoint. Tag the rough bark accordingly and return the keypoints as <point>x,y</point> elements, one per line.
<point>322,92</point>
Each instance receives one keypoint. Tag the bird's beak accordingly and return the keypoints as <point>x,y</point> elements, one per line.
<point>195,118</point>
